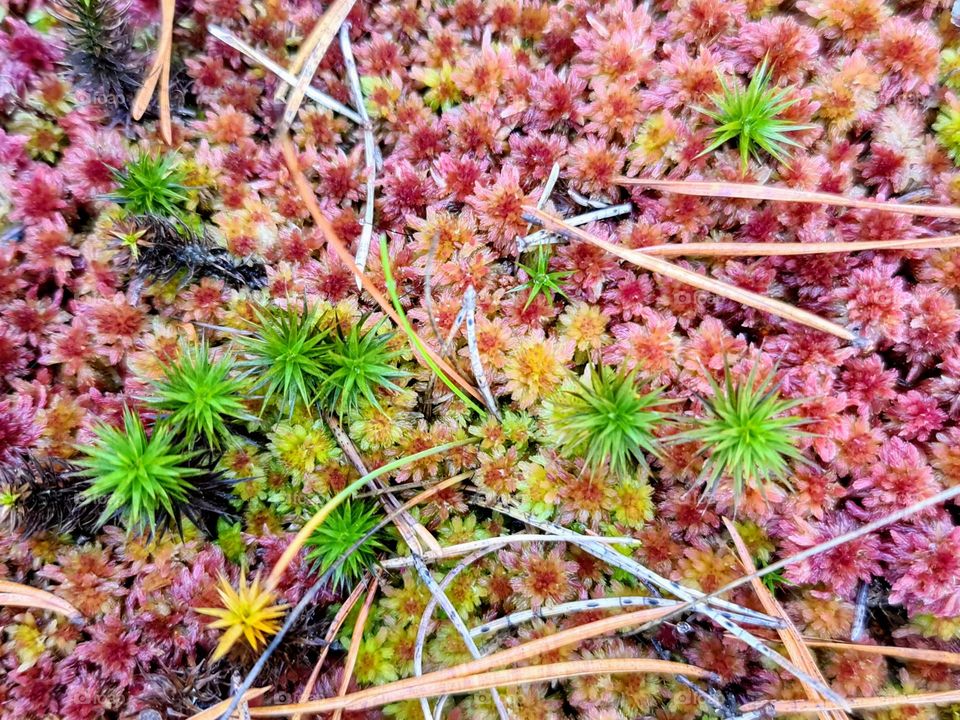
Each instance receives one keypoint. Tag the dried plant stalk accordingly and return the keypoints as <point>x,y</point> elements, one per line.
<point>312,52</point>
<point>452,551</point>
<point>789,635</point>
<point>737,249</point>
<point>485,681</point>
<point>248,51</point>
<point>688,277</point>
<point>747,191</point>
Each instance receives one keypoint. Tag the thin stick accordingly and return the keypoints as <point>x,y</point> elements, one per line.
<point>452,551</point>
<point>332,631</point>
<point>512,620</point>
<point>736,249</point>
<point>747,191</point>
<point>316,47</point>
<point>319,97</point>
<point>476,362</point>
<point>688,277</point>
<point>355,640</point>
<point>306,194</point>
<point>425,618</point>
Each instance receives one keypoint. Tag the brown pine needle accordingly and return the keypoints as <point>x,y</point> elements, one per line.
<point>328,639</point>
<point>738,249</point>
<point>311,53</point>
<point>519,653</point>
<point>941,657</point>
<point>16,595</point>
<point>748,191</point>
<point>392,692</point>
<point>306,194</point>
<point>355,640</point>
<point>789,707</point>
<point>159,72</point>
<point>215,711</point>
<point>688,277</point>
<point>792,639</point>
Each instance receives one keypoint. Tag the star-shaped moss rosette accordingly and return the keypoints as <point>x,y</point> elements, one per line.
<point>746,433</point>
<point>607,420</point>
<point>249,612</point>
<point>751,116</point>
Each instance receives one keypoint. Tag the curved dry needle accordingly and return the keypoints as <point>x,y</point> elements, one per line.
<point>476,364</point>
<point>159,72</point>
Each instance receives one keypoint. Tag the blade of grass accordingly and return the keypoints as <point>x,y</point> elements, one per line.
<point>412,335</point>
<point>737,249</point>
<point>747,191</point>
<point>688,277</point>
<point>333,503</point>
<point>306,194</point>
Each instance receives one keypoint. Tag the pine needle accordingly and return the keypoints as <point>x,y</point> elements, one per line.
<point>749,191</point>
<point>398,691</point>
<point>694,279</point>
<point>17,595</point>
<point>159,72</point>
<point>778,249</point>
<point>789,635</point>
